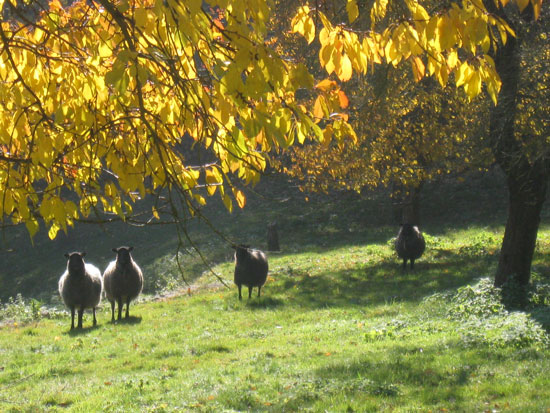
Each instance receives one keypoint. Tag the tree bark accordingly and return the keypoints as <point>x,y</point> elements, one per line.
<point>272,237</point>
<point>527,195</point>
<point>527,180</point>
<point>406,203</point>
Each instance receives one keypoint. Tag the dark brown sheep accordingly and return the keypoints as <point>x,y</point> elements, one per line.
<point>409,244</point>
<point>250,269</point>
<point>123,281</point>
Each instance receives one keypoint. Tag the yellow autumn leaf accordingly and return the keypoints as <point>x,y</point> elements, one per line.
<point>303,24</point>
<point>522,4</point>
<point>326,85</point>
<point>52,232</point>
<point>537,6</point>
<point>324,36</point>
<point>318,110</point>
<point>473,85</point>
<point>353,10</point>
<point>452,59</point>
<point>227,202</point>
<point>343,99</point>
<point>345,70</point>
<point>446,33</point>
<point>239,197</point>
<point>418,68</point>
<point>155,212</point>
<point>32,226</point>
<point>464,73</point>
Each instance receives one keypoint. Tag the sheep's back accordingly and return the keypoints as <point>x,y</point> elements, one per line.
<point>81,291</point>
<point>126,282</point>
<point>252,272</point>
<point>410,246</point>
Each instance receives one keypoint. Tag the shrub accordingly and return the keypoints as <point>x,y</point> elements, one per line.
<point>20,311</point>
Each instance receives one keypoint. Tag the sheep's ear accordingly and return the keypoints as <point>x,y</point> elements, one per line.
<point>234,247</point>
<point>67,256</point>
<point>115,250</point>
<point>130,248</point>
<point>83,254</point>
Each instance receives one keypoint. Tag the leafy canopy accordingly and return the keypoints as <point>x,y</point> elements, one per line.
<point>101,100</point>
<point>452,39</point>
<point>409,130</point>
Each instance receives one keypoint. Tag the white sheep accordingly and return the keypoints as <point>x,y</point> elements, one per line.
<point>80,286</point>
<point>250,268</point>
<point>123,281</point>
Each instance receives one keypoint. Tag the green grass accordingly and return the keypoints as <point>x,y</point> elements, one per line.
<point>341,329</point>
<point>340,326</point>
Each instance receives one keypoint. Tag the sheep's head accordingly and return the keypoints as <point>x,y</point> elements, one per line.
<point>123,256</point>
<point>408,229</point>
<point>241,251</point>
<point>76,262</point>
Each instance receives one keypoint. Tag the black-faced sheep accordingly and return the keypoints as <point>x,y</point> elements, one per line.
<point>409,244</point>
<point>80,286</point>
<point>250,268</point>
<point>123,281</point>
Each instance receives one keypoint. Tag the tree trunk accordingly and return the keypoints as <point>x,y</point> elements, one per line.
<point>406,203</point>
<point>527,195</point>
<point>527,180</point>
<point>272,237</point>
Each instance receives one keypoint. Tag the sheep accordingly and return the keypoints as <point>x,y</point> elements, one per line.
<point>250,268</point>
<point>409,244</point>
<point>80,286</point>
<point>123,281</point>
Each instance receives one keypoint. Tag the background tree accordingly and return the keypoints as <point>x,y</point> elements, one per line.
<point>408,134</point>
<point>101,97</point>
<point>519,134</point>
<point>408,130</point>
<point>457,40</point>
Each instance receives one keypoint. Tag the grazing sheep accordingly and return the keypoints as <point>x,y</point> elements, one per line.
<point>80,286</point>
<point>409,244</point>
<point>250,268</point>
<point>123,281</point>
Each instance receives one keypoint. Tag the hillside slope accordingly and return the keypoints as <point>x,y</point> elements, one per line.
<point>338,328</point>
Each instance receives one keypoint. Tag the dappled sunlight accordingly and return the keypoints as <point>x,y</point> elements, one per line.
<point>358,276</point>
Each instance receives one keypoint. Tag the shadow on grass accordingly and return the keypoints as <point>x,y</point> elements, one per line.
<point>385,282</point>
<point>214,348</point>
<point>82,331</point>
<point>128,320</point>
<point>406,367</point>
<point>264,302</point>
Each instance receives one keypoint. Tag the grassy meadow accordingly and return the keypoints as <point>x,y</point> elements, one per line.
<point>340,327</point>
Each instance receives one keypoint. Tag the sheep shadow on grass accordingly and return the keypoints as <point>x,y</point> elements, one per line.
<point>265,302</point>
<point>76,332</point>
<point>131,320</point>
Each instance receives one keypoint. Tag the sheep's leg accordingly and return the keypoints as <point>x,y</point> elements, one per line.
<point>72,318</point>
<point>259,288</point>
<point>95,320</point>
<point>113,311</point>
<point>119,301</point>
<point>80,313</point>
<point>239,287</point>
<point>404,263</point>
<point>412,263</point>
<point>249,292</point>
<point>128,307</point>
